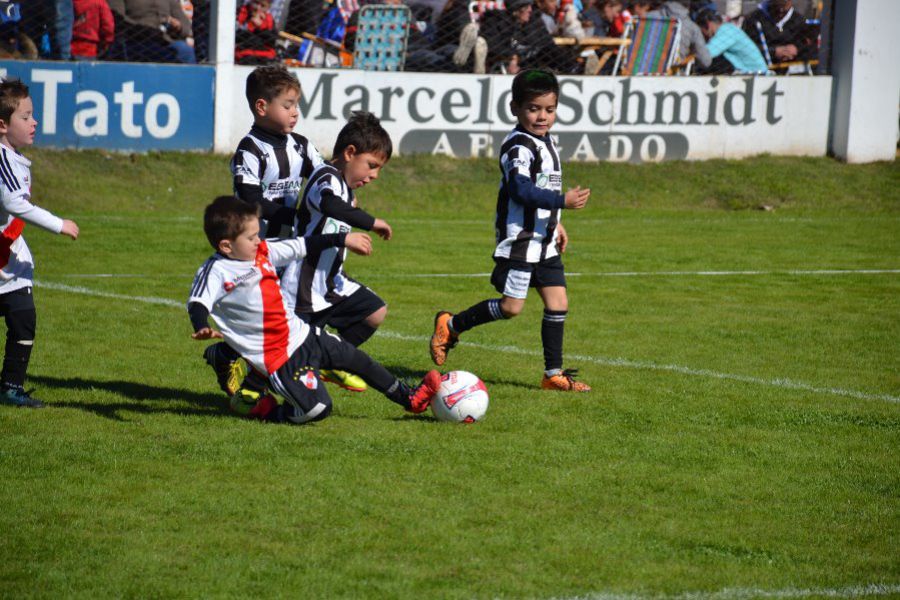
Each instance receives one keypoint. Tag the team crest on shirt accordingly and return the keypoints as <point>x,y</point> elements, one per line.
<point>308,378</point>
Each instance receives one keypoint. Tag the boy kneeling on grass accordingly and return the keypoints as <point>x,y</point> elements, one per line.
<point>239,288</point>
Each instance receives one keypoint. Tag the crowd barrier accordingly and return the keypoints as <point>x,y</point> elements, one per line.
<point>138,107</point>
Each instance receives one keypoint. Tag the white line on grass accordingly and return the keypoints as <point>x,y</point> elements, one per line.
<point>810,272</point>
<point>597,360</point>
<point>651,366</point>
<point>859,591</point>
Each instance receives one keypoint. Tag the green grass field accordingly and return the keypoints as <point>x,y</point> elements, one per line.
<point>741,439</point>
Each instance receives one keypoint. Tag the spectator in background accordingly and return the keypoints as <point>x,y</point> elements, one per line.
<point>787,36</point>
<point>14,43</point>
<point>730,45</point>
<point>691,41</point>
<point>517,39</point>
<point>152,31</point>
<point>49,25</point>
<point>602,15</point>
<point>560,19</point>
<point>94,29</point>
<point>256,34</point>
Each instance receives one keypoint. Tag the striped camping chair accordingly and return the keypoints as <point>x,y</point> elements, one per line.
<point>654,44</point>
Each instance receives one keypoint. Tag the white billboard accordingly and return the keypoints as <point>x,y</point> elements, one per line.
<point>623,119</point>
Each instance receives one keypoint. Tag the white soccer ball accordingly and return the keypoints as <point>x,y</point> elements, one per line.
<point>462,398</point>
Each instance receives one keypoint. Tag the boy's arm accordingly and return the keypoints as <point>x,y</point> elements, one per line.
<point>311,156</point>
<point>330,204</point>
<point>517,171</point>
<point>19,206</point>
<point>246,167</point>
<point>205,291</point>
<point>283,252</point>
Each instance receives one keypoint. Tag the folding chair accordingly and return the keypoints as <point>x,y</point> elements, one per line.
<point>654,44</point>
<point>381,37</point>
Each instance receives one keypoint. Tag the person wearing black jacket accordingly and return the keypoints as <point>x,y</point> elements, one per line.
<point>518,39</point>
<point>788,37</point>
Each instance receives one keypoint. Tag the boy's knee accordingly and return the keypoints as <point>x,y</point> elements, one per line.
<point>21,326</point>
<point>377,317</point>
<point>321,410</point>
<point>511,307</point>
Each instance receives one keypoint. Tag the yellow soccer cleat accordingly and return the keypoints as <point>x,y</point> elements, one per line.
<point>229,373</point>
<point>346,380</point>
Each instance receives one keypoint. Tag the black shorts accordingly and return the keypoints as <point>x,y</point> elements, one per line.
<point>513,277</point>
<point>349,311</point>
<point>298,380</point>
<point>17,309</point>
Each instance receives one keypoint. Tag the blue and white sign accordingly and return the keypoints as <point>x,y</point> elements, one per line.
<point>119,106</point>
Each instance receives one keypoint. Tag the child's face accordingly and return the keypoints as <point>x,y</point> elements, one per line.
<point>245,245</point>
<point>20,130</point>
<point>361,167</point>
<point>536,115</point>
<point>281,114</point>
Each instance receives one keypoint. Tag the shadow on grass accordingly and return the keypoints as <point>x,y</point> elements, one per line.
<point>140,395</point>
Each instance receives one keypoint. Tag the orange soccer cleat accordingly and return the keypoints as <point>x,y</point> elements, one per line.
<point>564,381</point>
<point>443,340</point>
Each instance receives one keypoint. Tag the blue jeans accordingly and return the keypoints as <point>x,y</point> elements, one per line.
<point>61,36</point>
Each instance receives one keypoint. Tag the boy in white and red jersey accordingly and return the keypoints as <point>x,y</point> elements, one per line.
<point>239,288</point>
<point>17,129</point>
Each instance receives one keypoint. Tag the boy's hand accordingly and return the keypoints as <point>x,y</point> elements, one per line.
<point>383,230</point>
<point>70,229</point>
<point>562,238</point>
<point>576,197</point>
<point>207,333</point>
<point>358,243</point>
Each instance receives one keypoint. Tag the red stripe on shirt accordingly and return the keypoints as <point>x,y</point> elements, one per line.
<point>9,235</point>
<point>276,333</point>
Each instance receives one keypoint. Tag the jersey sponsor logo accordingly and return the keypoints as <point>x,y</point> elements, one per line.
<point>230,285</point>
<point>284,185</point>
<point>552,181</point>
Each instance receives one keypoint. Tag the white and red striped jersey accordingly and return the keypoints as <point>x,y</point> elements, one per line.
<point>16,263</point>
<point>244,299</point>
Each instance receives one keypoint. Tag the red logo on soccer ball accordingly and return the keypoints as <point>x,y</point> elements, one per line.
<point>228,286</point>
<point>452,399</point>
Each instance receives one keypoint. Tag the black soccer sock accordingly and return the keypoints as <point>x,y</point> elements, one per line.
<point>20,330</point>
<point>479,314</point>
<point>552,338</point>
<point>374,374</point>
<point>226,352</point>
<point>358,333</point>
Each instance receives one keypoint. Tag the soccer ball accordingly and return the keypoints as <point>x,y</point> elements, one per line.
<point>462,398</point>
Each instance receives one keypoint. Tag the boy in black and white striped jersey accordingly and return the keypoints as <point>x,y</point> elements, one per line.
<point>269,167</point>
<point>530,236</point>
<point>317,289</point>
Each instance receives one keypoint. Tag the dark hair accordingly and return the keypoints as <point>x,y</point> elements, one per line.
<point>707,16</point>
<point>532,83</point>
<point>225,217</point>
<point>12,91</point>
<point>268,81</point>
<point>364,132</point>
